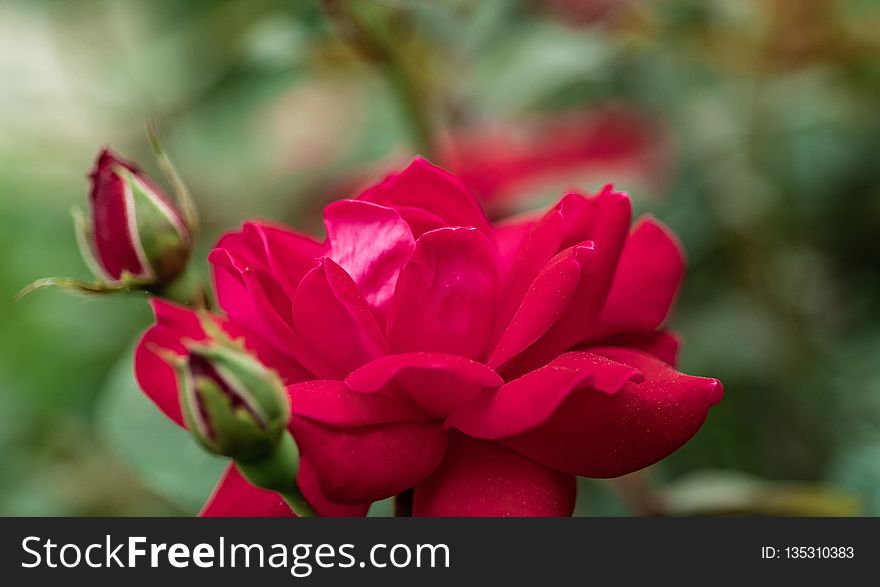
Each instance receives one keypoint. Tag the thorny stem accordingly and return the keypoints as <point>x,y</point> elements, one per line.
<point>403,504</point>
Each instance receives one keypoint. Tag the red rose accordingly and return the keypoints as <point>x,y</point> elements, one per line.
<point>509,167</point>
<point>484,366</point>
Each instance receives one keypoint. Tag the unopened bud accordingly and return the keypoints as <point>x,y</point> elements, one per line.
<point>232,403</point>
<point>137,235</point>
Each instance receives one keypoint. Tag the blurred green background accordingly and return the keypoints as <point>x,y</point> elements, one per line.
<point>752,129</point>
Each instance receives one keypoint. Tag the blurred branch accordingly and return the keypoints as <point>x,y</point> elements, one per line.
<point>376,33</point>
<point>181,192</point>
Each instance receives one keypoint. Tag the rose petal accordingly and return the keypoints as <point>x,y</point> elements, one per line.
<point>510,235</point>
<point>153,373</point>
<point>546,300</point>
<point>445,295</point>
<point>350,442</point>
<point>538,247</point>
<point>437,383</point>
<point>606,435</point>
<point>114,243</point>
<point>507,165</point>
<point>603,219</point>
<point>332,403</point>
<point>419,220</point>
<point>334,320</point>
<point>311,490</point>
<point>480,478</point>
<point>648,274</point>
<point>426,186</point>
<point>606,222</point>
<point>288,255</point>
<point>235,497</point>
<point>241,294</point>
<point>243,251</point>
<point>528,402</point>
<point>250,299</point>
<point>372,243</point>
<point>574,219</point>
<point>663,344</point>
<point>368,463</point>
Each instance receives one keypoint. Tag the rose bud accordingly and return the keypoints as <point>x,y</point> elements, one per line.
<point>137,238</point>
<point>237,407</point>
<point>232,404</point>
<point>137,235</point>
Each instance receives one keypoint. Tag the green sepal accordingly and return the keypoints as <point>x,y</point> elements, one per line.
<point>241,415</point>
<point>75,286</point>
<point>163,243</point>
<point>85,241</point>
<point>231,430</point>
<point>182,195</point>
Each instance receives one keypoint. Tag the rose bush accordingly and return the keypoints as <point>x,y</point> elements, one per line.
<point>484,367</point>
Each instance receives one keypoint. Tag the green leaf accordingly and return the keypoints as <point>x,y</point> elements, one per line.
<point>161,454</point>
<point>382,509</point>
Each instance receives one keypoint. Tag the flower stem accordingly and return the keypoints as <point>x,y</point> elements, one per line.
<point>403,504</point>
<point>372,30</point>
<point>413,105</point>
<point>298,504</point>
<point>277,471</point>
<point>187,289</point>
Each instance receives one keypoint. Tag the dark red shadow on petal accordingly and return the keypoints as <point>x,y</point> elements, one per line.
<point>480,478</point>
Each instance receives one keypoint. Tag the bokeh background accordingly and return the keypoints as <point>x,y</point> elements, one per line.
<point>752,128</point>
